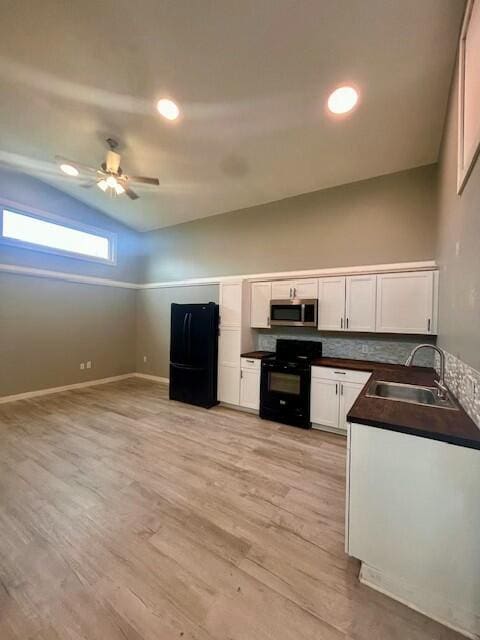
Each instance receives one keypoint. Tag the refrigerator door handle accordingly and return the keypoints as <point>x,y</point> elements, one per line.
<point>185,320</point>
<point>189,337</point>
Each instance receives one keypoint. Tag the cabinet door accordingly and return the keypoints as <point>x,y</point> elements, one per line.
<point>229,365</point>
<point>331,304</point>
<point>349,392</point>
<point>405,302</point>
<point>282,289</point>
<point>360,300</point>
<point>250,389</point>
<point>324,402</point>
<point>306,289</point>
<point>231,304</point>
<point>229,384</point>
<point>260,304</point>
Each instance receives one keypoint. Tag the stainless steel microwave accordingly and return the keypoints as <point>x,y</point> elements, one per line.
<point>293,313</point>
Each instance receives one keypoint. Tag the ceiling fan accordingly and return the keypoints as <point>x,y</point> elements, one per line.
<point>110,177</point>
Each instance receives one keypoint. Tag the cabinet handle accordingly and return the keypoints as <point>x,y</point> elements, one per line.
<point>342,373</point>
<point>268,321</point>
<point>341,323</point>
<point>429,322</point>
<point>341,389</point>
<point>241,373</point>
<point>336,389</point>
<point>251,361</point>
<point>294,292</point>
<point>290,292</point>
<point>347,323</point>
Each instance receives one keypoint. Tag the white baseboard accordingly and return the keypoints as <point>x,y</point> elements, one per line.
<point>447,613</point>
<point>322,427</point>
<point>67,387</point>
<point>78,385</point>
<point>148,376</point>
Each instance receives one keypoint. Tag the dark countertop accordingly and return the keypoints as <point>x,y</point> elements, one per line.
<point>257,355</point>
<point>356,365</point>
<point>446,425</point>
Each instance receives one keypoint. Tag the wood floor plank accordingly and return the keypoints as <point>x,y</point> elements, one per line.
<point>124,515</point>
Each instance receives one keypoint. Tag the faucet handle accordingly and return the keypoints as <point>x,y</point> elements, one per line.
<point>442,389</point>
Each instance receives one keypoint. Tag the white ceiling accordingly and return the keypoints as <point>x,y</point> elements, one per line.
<point>251,78</point>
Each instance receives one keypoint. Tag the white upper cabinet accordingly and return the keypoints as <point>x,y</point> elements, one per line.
<point>360,301</point>
<point>401,302</point>
<point>306,289</point>
<point>286,289</point>
<point>282,290</point>
<point>261,294</point>
<point>406,302</point>
<point>231,304</point>
<point>331,304</point>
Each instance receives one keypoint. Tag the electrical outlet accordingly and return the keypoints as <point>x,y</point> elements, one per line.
<point>82,366</point>
<point>89,364</point>
<point>364,348</point>
<point>144,358</point>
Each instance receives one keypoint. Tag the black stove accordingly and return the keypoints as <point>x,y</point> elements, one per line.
<point>285,382</point>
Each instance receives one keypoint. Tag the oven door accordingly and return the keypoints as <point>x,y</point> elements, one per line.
<point>293,313</point>
<point>285,394</point>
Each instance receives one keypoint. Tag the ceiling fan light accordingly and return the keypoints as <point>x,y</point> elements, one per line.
<point>119,189</point>
<point>111,182</point>
<point>102,184</point>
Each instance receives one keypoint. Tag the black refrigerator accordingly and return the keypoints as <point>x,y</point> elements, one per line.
<point>194,354</point>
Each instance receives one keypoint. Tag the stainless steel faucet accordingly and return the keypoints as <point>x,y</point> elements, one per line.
<point>442,388</point>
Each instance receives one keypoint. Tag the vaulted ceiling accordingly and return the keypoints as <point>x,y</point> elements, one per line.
<point>251,79</point>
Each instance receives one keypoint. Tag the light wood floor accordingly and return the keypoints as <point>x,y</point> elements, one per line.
<point>124,515</point>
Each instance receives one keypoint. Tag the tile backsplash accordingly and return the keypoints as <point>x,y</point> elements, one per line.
<point>381,348</point>
<point>464,382</point>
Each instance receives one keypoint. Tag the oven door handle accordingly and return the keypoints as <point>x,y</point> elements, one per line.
<point>302,316</point>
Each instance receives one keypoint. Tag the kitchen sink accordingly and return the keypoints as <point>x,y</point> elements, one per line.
<point>411,393</point>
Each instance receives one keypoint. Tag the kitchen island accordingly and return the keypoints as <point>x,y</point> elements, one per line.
<point>413,507</point>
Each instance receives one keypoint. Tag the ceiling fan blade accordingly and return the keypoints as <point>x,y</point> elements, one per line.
<point>131,194</point>
<point>74,163</point>
<point>143,180</point>
<point>87,185</point>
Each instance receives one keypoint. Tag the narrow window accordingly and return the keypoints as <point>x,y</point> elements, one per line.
<point>35,232</point>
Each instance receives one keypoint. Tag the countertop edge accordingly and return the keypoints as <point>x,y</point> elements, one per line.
<point>419,433</point>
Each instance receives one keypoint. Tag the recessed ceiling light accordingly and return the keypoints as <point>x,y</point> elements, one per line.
<point>168,109</point>
<point>69,169</point>
<point>342,100</point>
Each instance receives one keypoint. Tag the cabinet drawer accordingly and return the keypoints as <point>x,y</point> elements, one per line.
<point>250,363</point>
<point>340,375</point>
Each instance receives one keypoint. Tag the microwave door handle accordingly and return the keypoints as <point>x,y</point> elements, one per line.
<point>303,314</point>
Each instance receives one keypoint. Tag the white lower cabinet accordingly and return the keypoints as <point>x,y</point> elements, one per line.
<point>228,384</point>
<point>333,392</point>
<point>324,406</point>
<point>250,383</point>
<point>349,392</point>
<point>413,519</point>
<point>250,389</point>
<point>229,366</point>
